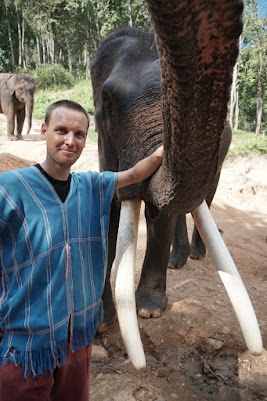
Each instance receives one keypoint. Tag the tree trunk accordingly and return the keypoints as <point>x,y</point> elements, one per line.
<point>87,61</point>
<point>19,36</point>
<point>23,59</point>
<point>97,29</point>
<point>233,102</point>
<point>93,31</point>
<point>50,45</point>
<point>69,59</point>
<point>60,56</point>
<point>38,50</point>
<point>260,95</point>
<point>51,48</point>
<point>237,111</point>
<point>10,38</point>
<point>44,50</point>
<point>259,109</point>
<point>129,6</point>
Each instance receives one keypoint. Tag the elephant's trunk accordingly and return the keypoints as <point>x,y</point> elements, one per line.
<point>196,68</point>
<point>29,110</point>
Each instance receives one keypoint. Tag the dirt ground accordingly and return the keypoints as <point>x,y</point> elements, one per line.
<point>195,351</point>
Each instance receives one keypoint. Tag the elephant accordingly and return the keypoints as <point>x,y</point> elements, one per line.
<point>16,95</point>
<point>171,87</point>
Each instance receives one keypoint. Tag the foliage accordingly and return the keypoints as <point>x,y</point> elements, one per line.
<point>34,33</point>
<point>51,37</point>
<point>49,75</point>
<point>252,69</point>
<point>3,60</point>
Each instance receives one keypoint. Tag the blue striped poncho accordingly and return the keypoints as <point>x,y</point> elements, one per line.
<point>53,259</point>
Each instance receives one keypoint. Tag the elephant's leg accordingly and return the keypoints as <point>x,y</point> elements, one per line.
<point>180,244</point>
<point>11,126</point>
<point>198,249</point>
<point>20,122</point>
<point>107,298</point>
<point>151,299</point>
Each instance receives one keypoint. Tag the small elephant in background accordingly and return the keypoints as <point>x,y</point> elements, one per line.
<point>17,100</point>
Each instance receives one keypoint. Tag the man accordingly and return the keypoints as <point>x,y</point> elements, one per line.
<point>53,254</point>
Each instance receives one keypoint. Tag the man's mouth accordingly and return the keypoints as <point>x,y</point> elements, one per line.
<point>68,152</point>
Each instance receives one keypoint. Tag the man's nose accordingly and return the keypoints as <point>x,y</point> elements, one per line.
<point>69,138</point>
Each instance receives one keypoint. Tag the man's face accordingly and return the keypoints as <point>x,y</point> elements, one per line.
<point>65,136</point>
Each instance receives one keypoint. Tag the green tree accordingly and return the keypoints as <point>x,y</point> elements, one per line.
<point>253,69</point>
<point>65,32</point>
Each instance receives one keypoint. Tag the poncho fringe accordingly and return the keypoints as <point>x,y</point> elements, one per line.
<point>44,361</point>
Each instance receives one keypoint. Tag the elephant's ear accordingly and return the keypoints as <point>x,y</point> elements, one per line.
<point>10,87</point>
<point>22,85</point>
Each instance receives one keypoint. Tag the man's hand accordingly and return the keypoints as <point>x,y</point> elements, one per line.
<point>142,170</point>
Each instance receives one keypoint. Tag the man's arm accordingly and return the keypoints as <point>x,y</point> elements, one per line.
<point>141,170</point>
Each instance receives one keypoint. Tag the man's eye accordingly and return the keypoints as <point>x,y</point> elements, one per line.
<point>80,135</point>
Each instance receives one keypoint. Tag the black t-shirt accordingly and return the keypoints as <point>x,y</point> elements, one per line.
<point>61,187</point>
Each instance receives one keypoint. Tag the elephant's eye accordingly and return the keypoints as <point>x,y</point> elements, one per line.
<point>107,102</point>
<point>107,106</point>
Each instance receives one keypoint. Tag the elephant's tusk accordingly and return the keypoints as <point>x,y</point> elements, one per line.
<point>230,277</point>
<point>125,282</point>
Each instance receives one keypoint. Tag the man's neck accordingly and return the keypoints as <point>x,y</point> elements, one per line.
<point>57,172</point>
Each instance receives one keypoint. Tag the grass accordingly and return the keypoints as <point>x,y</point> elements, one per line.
<point>245,143</point>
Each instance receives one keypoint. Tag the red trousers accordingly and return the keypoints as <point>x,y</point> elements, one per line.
<point>67,383</point>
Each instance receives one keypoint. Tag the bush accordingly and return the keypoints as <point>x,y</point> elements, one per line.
<point>49,76</point>
<point>80,92</point>
<point>3,61</point>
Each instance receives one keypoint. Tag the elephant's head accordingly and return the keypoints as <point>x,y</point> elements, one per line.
<point>136,110</point>
<point>127,95</point>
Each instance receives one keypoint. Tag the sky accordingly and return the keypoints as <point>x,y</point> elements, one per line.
<point>262,7</point>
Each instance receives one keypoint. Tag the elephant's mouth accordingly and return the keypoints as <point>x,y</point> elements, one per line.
<point>139,191</point>
<point>135,191</point>
<point>152,212</point>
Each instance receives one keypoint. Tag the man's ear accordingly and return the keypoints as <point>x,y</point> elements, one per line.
<point>43,130</point>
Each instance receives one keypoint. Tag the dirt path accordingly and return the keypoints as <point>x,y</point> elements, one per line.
<point>195,351</point>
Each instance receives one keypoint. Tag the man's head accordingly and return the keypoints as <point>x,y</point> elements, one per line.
<point>65,130</point>
<point>67,104</point>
